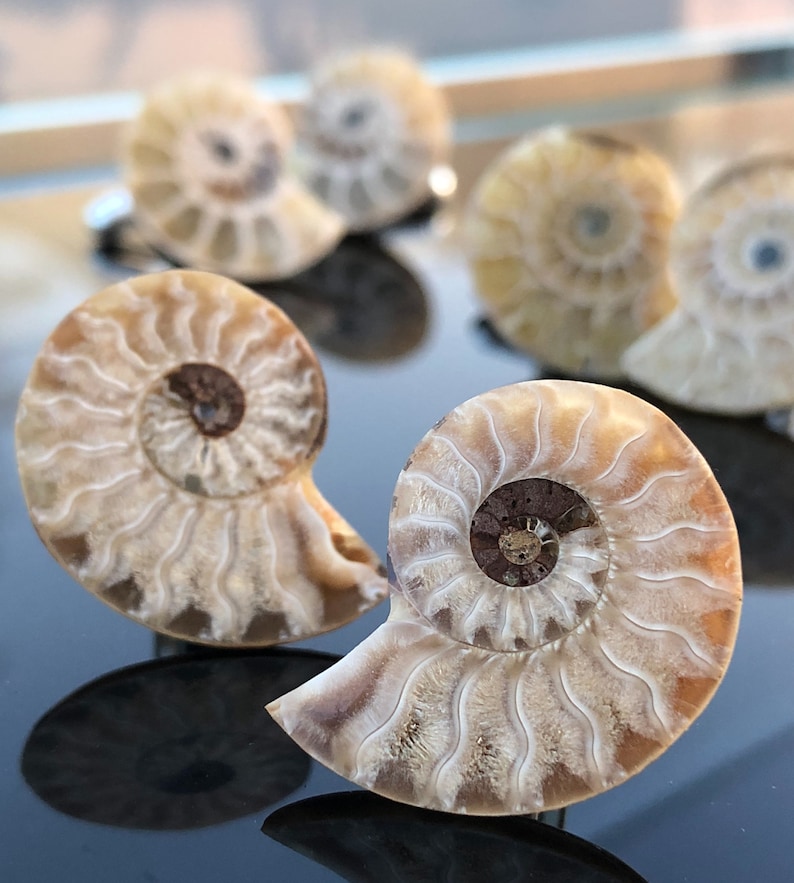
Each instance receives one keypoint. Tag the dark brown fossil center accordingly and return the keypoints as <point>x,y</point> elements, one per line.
<point>242,175</point>
<point>515,534</point>
<point>214,398</point>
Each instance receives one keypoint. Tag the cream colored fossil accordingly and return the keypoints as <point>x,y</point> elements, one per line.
<point>205,163</point>
<point>566,595</point>
<point>372,131</point>
<point>165,440</point>
<point>567,236</point>
<point>728,348</point>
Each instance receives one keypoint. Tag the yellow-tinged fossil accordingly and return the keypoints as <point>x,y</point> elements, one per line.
<point>728,349</point>
<point>567,236</point>
<point>566,594</point>
<point>372,131</point>
<point>165,440</point>
<point>205,161</point>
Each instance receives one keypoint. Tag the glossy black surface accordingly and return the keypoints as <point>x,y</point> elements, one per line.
<point>716,807</point>
<point>172,744</point>
<point>368,839</point>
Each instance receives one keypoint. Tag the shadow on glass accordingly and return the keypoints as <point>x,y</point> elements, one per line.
<point>359,303</point>
<point>173,744</point>
<point>367,839</point>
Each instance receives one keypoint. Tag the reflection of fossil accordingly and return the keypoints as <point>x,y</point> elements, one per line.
<point>373,129</point>
<point>365,839</point>
<point>565,601</point>
<point>359,302</point>
<point>182,743</point>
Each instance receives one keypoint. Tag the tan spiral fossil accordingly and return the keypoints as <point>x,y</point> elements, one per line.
<point>372,130</point>
<point>567,236</point>
<point>566,595</point>
<point>165,439</point>
<point>205,161</point>
<point>728,347</point>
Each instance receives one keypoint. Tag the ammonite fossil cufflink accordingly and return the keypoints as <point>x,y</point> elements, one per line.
<point>206,164</point>
<point>372,132</point>
<point>566,595</point>
<point>567,237</point>
<point>728,348</point>
<point>165,441</point>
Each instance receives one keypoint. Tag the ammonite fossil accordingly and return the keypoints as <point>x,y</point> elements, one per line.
<point>171,745</point>
<point>728,347</point>
<point>566,594</point>
<point>205,162</point>
<point>372,131</point>
<point>165,440</point>
<point>567,236</point>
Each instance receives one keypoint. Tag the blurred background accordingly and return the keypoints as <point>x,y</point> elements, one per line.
<point>53,48</point>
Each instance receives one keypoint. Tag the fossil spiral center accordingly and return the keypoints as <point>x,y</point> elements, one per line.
<point>357,114</point>
<point>234,165</point>
<point>592,221</point>
<point>212,396</point>
<point>525,545</point>
<point>517,531</point>
<point>349,123</point>
<point>766,255</point>
<point>596,226</point>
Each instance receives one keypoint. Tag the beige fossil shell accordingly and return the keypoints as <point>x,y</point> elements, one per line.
<point>566,597</point>
<point>567,236</point>
<point>373,129</point>
<point>728,348</point>
<point>205,163</point>
<point>165,440</point>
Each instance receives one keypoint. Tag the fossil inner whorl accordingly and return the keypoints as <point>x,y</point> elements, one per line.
<point>733,248</point>
<point>351,124</point>
<point>231,162</point>
<point>214,399</point>
<point>515,534</point>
